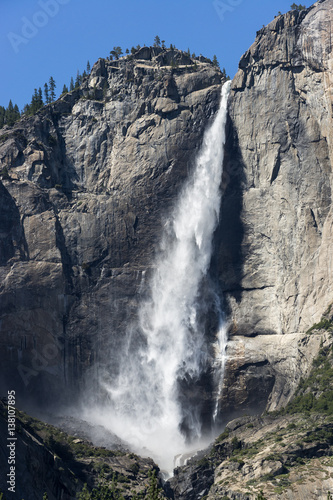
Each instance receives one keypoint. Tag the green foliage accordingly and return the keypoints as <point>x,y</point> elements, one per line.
<point>215,62</point>
<point>324,324</point>
<point>84,495</point>
<point>223,436</point>
<point>322,435</point>
<point>46,93</point>
<point>294,6</point>
<point>4,174</point>
<point>315,394</point>
<point>52,86</point>
<point>153,492</point>
<point>88,67</point>
<point>9,115</point>
<point>45,496</point>
<point>261,496</point>
<point>102,492</point>
<point>36,103</point>
<point>78,80</point>
<point>236,444</point>
<point>157,41</point>
<point>116,52</point>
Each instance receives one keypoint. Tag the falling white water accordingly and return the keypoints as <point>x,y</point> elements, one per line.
<point>169,345</point>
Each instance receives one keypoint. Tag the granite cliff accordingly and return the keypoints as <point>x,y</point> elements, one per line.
<point>87,182</point>
<point>85,186</point>
<point>275,244</point>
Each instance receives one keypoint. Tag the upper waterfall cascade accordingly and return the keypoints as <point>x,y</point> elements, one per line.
<point>168,350</point>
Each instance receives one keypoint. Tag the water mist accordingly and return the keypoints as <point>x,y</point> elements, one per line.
<point>147,408</point>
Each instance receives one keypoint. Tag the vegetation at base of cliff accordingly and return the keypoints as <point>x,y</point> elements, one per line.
<point>315,394</point>
<point>102,473</point>
<point>297,445</point>
<point>326,322</point>
<point>289,448</point>
<point>105,491</point>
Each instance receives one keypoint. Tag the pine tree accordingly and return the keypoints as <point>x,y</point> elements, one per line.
<point>26,109</point>
<point>163,44</point>
<point>215,62</point>
<point>157,41</point>
<point>64,90</point>
<point>9,114</point>
<point>294,6</point>
<point>71,85</point>
<point>46,93</point>
<point>84,495</point>
<point>2,116</point>
<point>17,113</point>
<point>40,98</point>
<point>88,67</point>
<point>78,80</point>
<point>52,86</point>
<point>153,490</point>
<point>116,52</point>
<point>34,102</point>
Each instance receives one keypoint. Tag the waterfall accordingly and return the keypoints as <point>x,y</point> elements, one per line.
<point>153,399</point>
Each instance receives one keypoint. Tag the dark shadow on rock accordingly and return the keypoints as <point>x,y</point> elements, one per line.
<point>228,255</point>
<point>12,239</point>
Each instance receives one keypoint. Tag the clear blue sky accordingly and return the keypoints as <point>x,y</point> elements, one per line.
<point>40,38</point>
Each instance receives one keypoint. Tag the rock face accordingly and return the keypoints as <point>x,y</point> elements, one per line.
<point>262,454</point>
<point>85,185</point>
<point>281,134</point>
<point>87,181</point>
<point>49,461</point>
<point>275,240</point>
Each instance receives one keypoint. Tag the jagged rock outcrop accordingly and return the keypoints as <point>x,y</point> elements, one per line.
<point>275,240</point>
<point>285,454</point>
<point>285,458</point>
<point>85,185</point>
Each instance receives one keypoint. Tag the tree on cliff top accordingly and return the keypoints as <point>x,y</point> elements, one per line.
<point>157,41</point>
<point>116,52</point>
<point>294,6</point>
